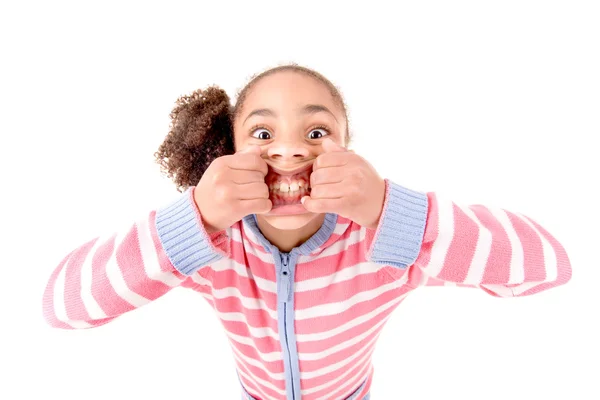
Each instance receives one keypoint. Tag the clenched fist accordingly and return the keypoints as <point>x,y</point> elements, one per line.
<point>232,187</point>
<point>344,183</point>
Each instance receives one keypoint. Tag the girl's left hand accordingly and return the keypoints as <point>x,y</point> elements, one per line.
<point>344,183</point>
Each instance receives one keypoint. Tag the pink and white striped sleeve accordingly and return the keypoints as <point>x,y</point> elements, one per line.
<point>109,276</point>
<point>504,253</point>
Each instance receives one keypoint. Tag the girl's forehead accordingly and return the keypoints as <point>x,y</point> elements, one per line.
<point>288,90</point>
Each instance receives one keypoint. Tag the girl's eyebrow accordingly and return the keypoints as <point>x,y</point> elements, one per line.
<point>307,109</point>
<point>315,108</point>
<point>265,112</point>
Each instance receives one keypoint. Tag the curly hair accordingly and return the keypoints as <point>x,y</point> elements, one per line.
<point>201,128</point>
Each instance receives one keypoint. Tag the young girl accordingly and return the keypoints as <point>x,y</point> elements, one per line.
<point>302,249</point>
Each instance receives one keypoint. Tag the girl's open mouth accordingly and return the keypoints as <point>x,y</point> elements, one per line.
<point>286,190</point>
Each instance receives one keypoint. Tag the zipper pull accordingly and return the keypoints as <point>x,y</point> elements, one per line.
<point>287,278</point>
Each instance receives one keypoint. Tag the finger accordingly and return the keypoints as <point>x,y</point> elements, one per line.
<point>329,146</point>
<point>322,205</point>
<point>248,161</point>
<point>251,191</point>
<point>334,159</point>
<point>324,176</point>
<point>256,206</point>
<point>252,149</point>
<point>241,177</point>
<point>329,191</point>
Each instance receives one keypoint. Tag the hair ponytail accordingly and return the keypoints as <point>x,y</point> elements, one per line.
<point>201,130</point>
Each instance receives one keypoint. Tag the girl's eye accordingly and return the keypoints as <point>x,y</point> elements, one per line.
<point>261,134</point>
<point>317,133</point>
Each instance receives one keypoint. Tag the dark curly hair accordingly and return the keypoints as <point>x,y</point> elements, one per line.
<point>201,128</point>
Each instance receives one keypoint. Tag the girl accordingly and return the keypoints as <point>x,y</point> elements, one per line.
<point>302,249</point>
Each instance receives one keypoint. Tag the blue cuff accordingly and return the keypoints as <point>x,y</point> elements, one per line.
<point>401,228</point>
<point>183,236</point>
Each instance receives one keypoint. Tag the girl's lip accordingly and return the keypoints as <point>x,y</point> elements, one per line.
<point>290,173</point>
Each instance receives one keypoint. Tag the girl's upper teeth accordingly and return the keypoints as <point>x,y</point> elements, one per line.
<point>293,186</point>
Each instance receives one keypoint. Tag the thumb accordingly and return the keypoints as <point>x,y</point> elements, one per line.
<point>305,200</point>
<point>251,149</point>
<point>330,146</point>
<point>309,204</point>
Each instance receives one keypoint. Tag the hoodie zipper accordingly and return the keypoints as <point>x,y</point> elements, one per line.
<point>287,282</point>
<point>287,278</point>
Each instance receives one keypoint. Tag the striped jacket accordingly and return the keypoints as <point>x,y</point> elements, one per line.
<point>303,324</point>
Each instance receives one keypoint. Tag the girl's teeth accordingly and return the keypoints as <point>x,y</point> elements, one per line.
<point>292,187</point>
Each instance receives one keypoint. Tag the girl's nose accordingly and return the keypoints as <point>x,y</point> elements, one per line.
<point>287,151</point>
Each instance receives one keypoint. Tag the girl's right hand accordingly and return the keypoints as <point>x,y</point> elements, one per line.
<point>232,187</point>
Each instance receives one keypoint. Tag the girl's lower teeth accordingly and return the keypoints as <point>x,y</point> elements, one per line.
<point>286,198</point>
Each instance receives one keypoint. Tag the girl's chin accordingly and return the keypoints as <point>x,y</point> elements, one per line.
<point>288,217</point>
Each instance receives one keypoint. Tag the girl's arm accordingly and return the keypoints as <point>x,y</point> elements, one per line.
<point>505,254</point>
<point>109,276</point>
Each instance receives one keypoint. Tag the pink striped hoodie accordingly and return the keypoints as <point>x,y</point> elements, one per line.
<point>303,324</point>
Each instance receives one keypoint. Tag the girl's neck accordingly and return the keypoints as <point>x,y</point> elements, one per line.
<point>286,239</point>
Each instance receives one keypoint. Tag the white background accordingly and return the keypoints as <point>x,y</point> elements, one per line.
<point>493,103</point>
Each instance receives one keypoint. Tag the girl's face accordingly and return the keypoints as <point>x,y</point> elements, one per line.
<point>289,114</point>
